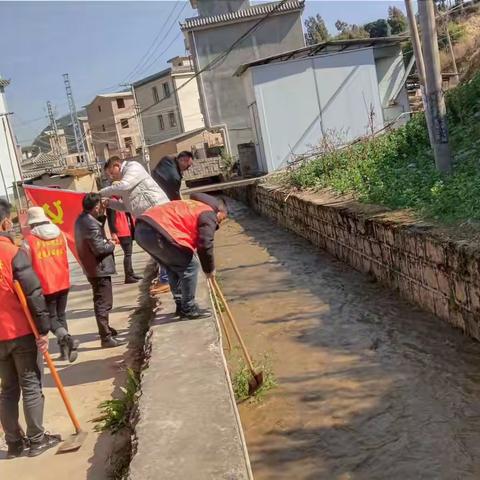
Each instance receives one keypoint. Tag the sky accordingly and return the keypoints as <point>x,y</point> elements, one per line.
<point>104,44</point>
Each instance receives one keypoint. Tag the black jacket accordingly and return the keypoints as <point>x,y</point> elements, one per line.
<point>25,275</point>
<point>94,250</point>
<point>169,177</point>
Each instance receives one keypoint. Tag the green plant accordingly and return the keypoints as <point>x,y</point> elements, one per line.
<point>116,412</point>
<point>242,376</point>
<point>397,169</point>
<point>228,161</point>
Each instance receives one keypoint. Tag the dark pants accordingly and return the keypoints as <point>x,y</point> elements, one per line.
<point>102,303</point>
<point>20,371</point>
<point>127,243</point>
<point>57,306</point>
<point>181,264</point>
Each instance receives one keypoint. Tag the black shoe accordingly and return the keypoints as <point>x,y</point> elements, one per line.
<point>63,351</point>
<point>72,348</point>
<point>48,441</point>
<point>178,311</point>
<point>130,280</point>
<point>113,332</point>
<point>16,449</point>
<point>138,277</point>
<point>195,313</point>
<point>111,342</point>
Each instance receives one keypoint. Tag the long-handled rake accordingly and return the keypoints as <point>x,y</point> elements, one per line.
<point>256,380</point>
<point>75,441</point>
<point>218,310</point>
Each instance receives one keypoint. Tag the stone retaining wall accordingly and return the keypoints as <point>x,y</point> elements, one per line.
<point>438,275</point>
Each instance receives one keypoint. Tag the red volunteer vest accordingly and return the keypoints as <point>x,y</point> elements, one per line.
<point>13,323</point>
<point>179,219</point>
<point>50,262</point>
<point>122,225</point>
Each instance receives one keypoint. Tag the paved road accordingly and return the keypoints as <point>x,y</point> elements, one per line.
<point>90,380</point>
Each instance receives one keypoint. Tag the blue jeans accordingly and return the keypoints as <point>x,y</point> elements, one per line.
<point>162,274</point>
<point>180,263</point>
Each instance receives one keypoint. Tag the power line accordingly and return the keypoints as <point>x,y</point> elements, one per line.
<point>150,49</point>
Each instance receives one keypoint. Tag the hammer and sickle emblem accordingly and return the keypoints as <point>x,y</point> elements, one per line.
<point>57,217</point>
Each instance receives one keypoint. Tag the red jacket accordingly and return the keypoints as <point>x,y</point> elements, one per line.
<point>15,265</point>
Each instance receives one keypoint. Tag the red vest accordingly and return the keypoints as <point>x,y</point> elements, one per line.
<point>50,262</point>
<point>179,219</point>
<point>122,225</point>
<point>13,323</point>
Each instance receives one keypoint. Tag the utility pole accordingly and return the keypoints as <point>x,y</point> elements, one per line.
<point>433,81</point>
<point>450,46</point>
<point>138,118</point>
<point>417,52</point>
<point>57,150</point>
<point>15,180</point>
<point>77,131</point>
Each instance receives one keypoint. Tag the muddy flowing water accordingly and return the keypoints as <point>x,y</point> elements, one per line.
<point>369,386</point>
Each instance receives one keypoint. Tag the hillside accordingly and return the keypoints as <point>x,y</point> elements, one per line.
<point>465,33</point>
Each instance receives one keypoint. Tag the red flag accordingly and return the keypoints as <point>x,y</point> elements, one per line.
<point>62,207</point>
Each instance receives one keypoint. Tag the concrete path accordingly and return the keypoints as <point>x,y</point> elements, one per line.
<point>188,424</point>
<point>90,380</point>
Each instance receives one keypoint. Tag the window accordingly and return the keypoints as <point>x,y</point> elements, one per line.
<point>124,122</point>
<point>99,108</point>
<point>156,98</point>
<point>128,142</point>
<point>161,123</point>
<point>120,103</point>
<point>172,119</point>
<point>103,127</point>
<point>166,89</point>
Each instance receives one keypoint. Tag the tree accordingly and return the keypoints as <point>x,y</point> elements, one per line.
<point>378,28</point>
<point>316,30</point>
<point>350,32</point>
<point>397,20</point>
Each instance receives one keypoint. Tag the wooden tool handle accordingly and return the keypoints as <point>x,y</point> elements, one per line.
<point>48,359</point>
<point>217,307</point>
<point>234,325</point>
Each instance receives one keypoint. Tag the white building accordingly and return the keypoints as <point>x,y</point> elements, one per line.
<point>8,148</point>
<point>337,90</point>
<point>169,102</point>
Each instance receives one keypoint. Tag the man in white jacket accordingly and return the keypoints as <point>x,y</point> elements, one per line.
<point>138,192</point>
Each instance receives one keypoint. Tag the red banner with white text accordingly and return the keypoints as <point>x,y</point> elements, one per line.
<point>62,207</point>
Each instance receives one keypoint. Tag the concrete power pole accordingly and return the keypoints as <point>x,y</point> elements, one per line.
<point>417,51</point>
<point>433,81</point>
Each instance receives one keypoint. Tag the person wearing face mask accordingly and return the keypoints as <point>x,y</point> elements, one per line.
<point>47,249</point>
<point>137,192</point>
<point>95,253</point>
<point>20,369</point>
<point>169,173</point>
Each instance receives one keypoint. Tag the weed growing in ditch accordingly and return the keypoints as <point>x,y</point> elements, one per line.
<point>116,412</point>
<point>242,375</point>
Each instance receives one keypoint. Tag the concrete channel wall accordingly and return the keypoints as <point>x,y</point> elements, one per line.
<point>439,275</point>
<point>188,425</point>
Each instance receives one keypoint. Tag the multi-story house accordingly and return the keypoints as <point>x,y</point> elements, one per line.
<point>169,102</point>
<point>113,125</point>
<point>230,33</point>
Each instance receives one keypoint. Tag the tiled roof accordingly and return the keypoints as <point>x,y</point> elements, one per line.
<point>243,14</point>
